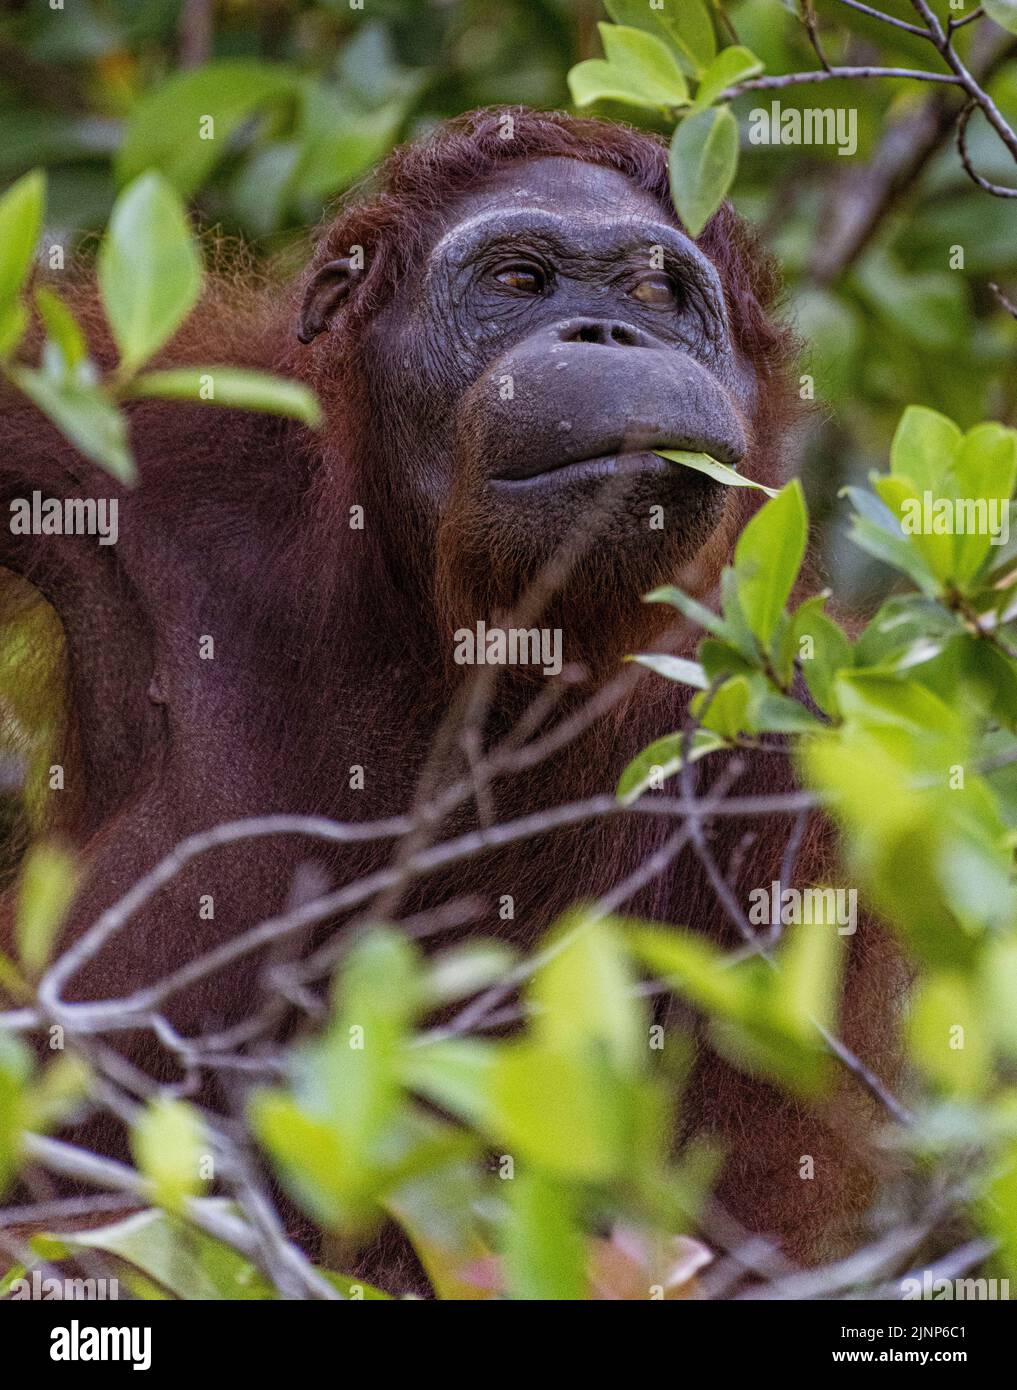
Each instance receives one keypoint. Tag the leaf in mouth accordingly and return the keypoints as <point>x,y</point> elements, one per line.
<point>719,472</point>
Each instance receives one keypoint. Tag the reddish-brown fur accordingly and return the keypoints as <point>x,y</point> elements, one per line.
<point>328,654</point>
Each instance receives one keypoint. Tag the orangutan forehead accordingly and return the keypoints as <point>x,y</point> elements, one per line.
<point>560,184</point>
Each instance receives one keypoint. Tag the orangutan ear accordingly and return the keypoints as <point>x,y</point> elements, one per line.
<point>325,295</point>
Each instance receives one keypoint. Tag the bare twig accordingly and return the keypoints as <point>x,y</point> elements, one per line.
<point>998,190</point>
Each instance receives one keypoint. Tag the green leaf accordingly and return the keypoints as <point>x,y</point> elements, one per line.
<point>464,970</point>
<point>639,69</point>
<point>21,210</point>
<point>49,879</point>
<point>182,1260</point>
<point>935,548</point>
<point>689,608</point>
<point>767,559</point>
<point>772,713</point>
<point>822,649</point>
<point>336,142</point>
<point>948,1034</point>
<point>749,1022</point>
<point>438,1208</point>
<point>15,1070</point>
<point>810,963</point>
<point>454,1073</point>
<point>149,269</point>
<point>232,386</point>
<point>61,327</point>
<point>685,23</point>
<point>721,659</point>
<point>168,1145</point>
<point>545,1256</point>
<point>923,447</point>
<point>730,66</point>
<point>998,992</point>
<point>662,759</point>
<point>85,415</point>
<point>354,1079</point>
<point>673,668</point>
<point>13,323</point>
<point>876,530</point>
<point>169,131</point>
<point>583,992</point>
<point>1004,12</point>
<point>725,711</point>
<point>558,1110</point>
<point>310,1158</point>
<point>700,971</point>
<point>719,472</point>
<point>984,472</point>
<point>703,163</point>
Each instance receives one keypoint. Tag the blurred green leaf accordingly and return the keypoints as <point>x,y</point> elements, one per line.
<point>232,386</point>
<point>545,1255</point>
<point>464,970</point>
<point>49,880</point>
<point>61,327</point>
<point>86,416</point>
<point>150,270</point>
<point>184,126</point>
<point>454,1073</point>
<point>559,1111</point>
<point>15,1070</point>
<point>182,1260</point>
<point>583,992</point>
<point>947,1034</point>
<point>21,210</point>
<point>169,1145</point>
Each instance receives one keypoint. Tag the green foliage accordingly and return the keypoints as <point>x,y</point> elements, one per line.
<point>49,879</point>
<point>149,270</point>
<point>168,1148</point>
<point>639,69</point>
<point>150,276</point>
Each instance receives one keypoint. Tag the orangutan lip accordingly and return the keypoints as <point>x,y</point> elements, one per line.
<point>591,469</point>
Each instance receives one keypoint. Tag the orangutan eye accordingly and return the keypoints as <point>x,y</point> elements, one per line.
<point>528,279</point>
<point>657,290</point>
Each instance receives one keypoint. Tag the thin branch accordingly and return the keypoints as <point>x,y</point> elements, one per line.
<point>812,29</point>
<point>997,190</point>
<point>778,81</point>
<point>886,18</point>
<point>953,24</point>
<point>1011,309</point>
